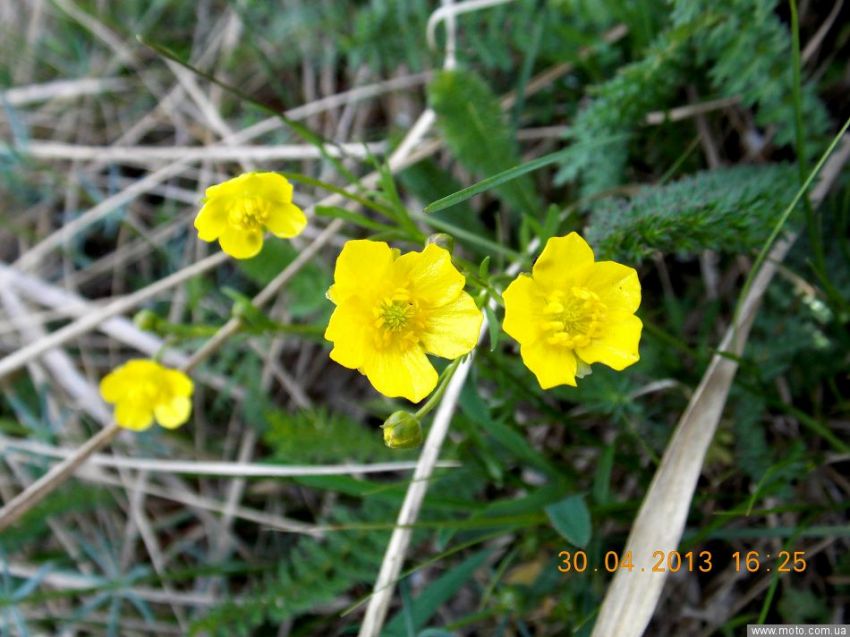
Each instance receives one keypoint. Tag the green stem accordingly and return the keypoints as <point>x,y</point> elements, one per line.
<point>175,331</point>
<point>438,394</point>
<point>813,221</point>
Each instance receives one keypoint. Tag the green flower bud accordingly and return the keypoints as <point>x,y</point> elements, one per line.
<point>147,320</point>
<point>443,240</point>
<point>402,430</point>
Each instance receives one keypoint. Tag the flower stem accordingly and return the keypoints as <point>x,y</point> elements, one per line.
<point>434,399</point>
<point>165,328</point>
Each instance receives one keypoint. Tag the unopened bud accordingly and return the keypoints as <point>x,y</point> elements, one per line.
<point>402,430</point>
<point>443,240</point>
<point>146,320</point>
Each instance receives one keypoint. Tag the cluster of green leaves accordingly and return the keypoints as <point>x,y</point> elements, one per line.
<point>747,50</point>
<point>731,210</point>
<point>738,48</point>
<point>318,436</point>
<point>314,573</point>
<point>617,109</point>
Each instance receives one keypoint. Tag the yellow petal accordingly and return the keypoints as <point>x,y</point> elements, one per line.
<point>211,220</point>
<point>552,365</point>
<point>286,220</point>
<point>523,309</point>
<point>361,266</point>
<point>401,373</point>
<point>179,384</point>
<point>561,260</point>
<point>173,413</point>
<point>230,188</point>
<point>452,330</point>
<point>618,346</point>
<point>241,244</point>
<point>616,285</point>
<point>112,386</point>
<point>140,368</point>
<point>119,381</point>
<point>431,277</point>
<point>133,415</point>
<point>349,331</point>
<point>271,186</point>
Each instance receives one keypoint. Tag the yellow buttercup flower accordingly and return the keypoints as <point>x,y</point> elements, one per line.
<point>393,310</point>
<point>238,211</point>
<point>143,390</point>
<point>573,311</point>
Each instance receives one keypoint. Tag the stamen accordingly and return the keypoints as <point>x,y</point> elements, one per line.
<point>573,319</point>
<point>249,213</point>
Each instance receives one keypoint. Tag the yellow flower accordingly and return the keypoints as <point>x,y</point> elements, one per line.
<point>573,311</point>
<point>237,212</point>
<point>393,310</point>
<point>143,390</point>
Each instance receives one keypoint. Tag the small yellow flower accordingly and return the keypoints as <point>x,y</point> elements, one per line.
<point>573,311</point>
<point>393,310</point>
<point>143,390</point>
<point>238,211</point>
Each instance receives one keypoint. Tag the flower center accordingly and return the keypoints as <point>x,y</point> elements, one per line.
<point>395,315</point>
<point>148,393</point>
<point>249,213</point>
<point>573,318</point>
<point>397,319</point>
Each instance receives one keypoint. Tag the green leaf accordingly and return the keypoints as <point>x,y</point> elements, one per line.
<point>355,218</point>
<point>602,479</point>
<point>474,407</point>
<point>484,268</point>
<point>342,192</point>
<point>471,119</point>
<point>496,180</point>
<point>571,518</point>
<point>698,212</point>
<point>435,595</point>
<point>249,313</point>
<point>493,327</point>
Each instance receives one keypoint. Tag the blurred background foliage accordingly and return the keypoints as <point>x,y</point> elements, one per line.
<point>688,200</point>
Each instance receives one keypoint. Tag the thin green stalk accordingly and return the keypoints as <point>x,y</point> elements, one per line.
<point>813,221</point>
<point>762,256</point>
<point>434,399</point>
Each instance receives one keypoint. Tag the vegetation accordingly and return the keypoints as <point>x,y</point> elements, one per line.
<point>673,136</point>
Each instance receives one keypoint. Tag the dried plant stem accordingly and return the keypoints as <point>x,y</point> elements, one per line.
<point>207,468</point>
<point>62,89</point>
<point>33,494</point>
<point>86,323</point>
<point>631,599</point>
<point>151,154</point>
